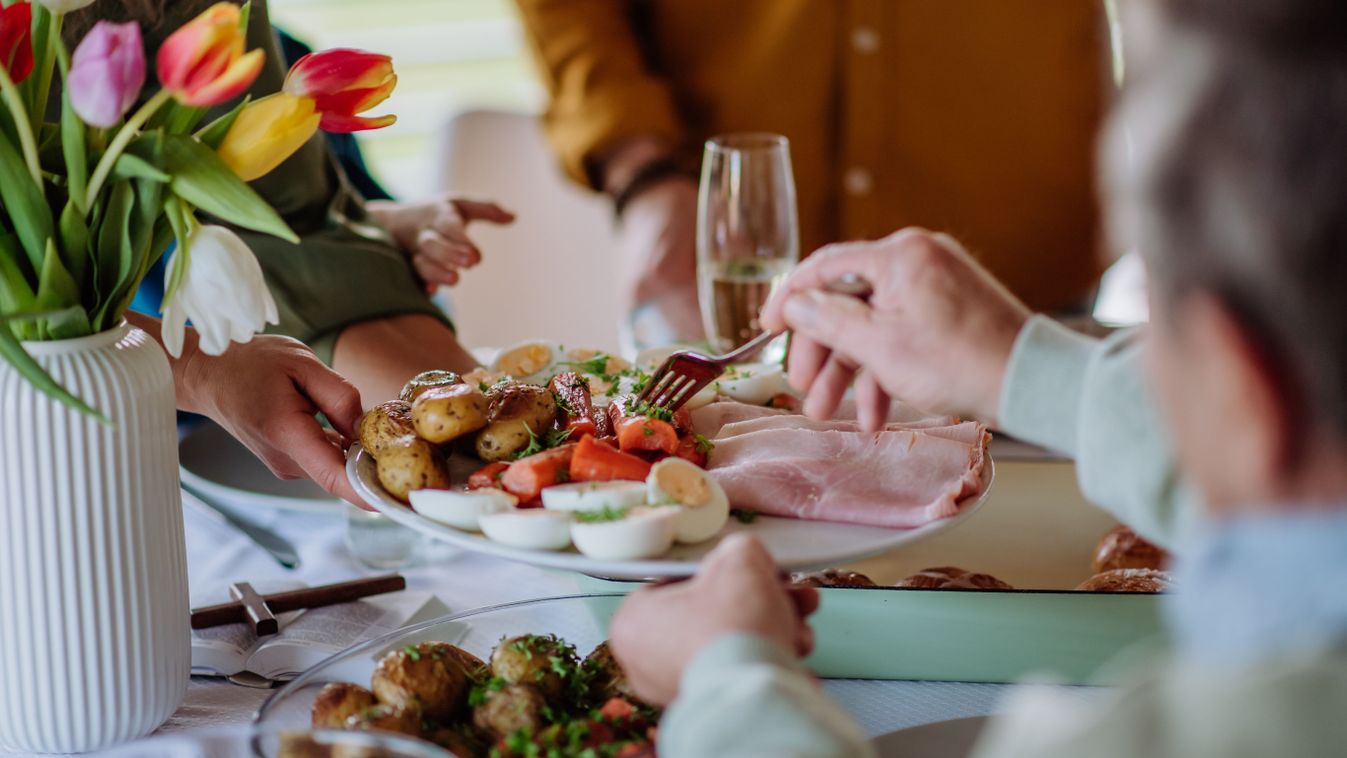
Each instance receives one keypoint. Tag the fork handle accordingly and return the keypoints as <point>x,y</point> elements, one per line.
<point>854,285</point>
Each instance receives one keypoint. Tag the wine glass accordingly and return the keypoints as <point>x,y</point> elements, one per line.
<point>748,235</point>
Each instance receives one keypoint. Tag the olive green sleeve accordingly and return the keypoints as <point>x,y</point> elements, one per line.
<point>345,269</point>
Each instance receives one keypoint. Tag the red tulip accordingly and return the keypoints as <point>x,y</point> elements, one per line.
<point>344,83</point>
<point>16,41</point>
<point>203,63</point>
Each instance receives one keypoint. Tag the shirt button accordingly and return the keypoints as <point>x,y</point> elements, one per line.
<point>865,40</point>
<point>858,181</point>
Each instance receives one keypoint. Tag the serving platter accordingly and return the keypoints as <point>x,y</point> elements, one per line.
<point>795,544</point>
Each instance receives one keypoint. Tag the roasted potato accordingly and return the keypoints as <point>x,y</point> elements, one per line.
<point>460,741</point>
<point>515,411</point>
<point>384,423</point>
<point>387,718</point>
<point>534,659</point>
<point>427,380</point>
<point>441,414</point>
<point>509,709</point>
<point>410,463</point>
<point>608,680</point>
<point>428,678</point>
<point>339,701</point>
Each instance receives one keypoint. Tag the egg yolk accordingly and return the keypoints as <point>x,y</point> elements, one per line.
<point>685,486</point>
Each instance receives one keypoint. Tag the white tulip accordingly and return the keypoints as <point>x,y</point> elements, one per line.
<point>222,292</point>
<point>64,6</point>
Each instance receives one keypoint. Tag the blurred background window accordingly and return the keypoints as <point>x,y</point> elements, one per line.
<point>451,56</point>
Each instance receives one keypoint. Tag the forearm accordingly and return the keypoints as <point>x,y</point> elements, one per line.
<point>379,356</point>
<point>1088,398</point>
<point>744,680</point>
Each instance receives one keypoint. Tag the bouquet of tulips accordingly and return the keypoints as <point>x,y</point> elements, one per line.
<point>88,204</point>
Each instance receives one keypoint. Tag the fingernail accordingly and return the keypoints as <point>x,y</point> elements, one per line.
<point>801,310</point>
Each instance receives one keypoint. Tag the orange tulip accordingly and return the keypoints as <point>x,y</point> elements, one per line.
<point>344,83</point>
<point>203,63</point>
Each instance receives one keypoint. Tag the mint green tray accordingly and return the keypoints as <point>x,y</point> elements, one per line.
<point>972,636</point>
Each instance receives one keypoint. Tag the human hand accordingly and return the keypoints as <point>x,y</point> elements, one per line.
<point>660,629</point>
<point>434,233</point>
<point>265,393</point>
<point>657,241</point>
<point>937,333</point>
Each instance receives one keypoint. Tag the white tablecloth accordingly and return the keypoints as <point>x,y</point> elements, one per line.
<point>218,555</point>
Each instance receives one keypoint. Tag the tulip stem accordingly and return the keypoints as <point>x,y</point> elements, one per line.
<point>124,136</point>
<point>22,125</point>
<point>48,64</point>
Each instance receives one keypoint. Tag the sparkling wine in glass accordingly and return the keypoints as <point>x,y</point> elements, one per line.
<point>748,234</point>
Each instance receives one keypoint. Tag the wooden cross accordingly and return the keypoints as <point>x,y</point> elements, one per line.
<point>261,610</point>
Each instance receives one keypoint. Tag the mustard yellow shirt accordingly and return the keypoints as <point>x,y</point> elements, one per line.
<point>975,117</point>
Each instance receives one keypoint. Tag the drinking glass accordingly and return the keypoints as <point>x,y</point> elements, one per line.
<point>748,234</point>
<point>380,543</point>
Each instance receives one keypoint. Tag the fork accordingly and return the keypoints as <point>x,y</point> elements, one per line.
<point>686,372</point>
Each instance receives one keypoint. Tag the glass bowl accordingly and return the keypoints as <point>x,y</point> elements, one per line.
<point>246,742</point>
<point>581,620</point>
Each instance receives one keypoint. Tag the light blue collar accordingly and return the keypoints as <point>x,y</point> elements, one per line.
<point>1260,586</point>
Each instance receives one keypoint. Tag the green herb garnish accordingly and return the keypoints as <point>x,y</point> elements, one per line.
<point>745,517</point>
<point>702,444</point>
<point>598,366</point>
<point>602,516</point>
<point>550,439</point>
<point>412,653</point>
<point>648,431</point>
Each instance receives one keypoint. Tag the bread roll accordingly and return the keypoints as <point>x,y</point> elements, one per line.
<point>1121,548</point>
<point>952,578</point>
<point>832,578</point>
<point>1128,580</point>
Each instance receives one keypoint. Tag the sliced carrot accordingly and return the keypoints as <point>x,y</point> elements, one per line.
<point>487,476</point>
<point>643,433</point>
<point>688,449</point>
<point>597,462</point>
<point>526,477</point>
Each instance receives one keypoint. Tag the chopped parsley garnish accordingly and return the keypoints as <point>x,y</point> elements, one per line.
<point>412,653</point>
<point>563,404</point>
<point>602,516</point>
<point>745,517</point>
<point>598,366</point>
<point>702,444</point>
<point>636,407</point>
<point>648,431</point>
<point>562,476</point>
<point>483,386</point>
<point>550,439</point>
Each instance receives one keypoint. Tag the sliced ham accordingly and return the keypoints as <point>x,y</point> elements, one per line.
<point>918,470</point>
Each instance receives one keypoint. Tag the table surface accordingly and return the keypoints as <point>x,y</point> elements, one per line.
<point>218,555</point>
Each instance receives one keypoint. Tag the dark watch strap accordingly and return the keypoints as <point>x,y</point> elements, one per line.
<point>650,174</point>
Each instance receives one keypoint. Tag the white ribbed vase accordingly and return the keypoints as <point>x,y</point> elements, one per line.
<point>94,641</point>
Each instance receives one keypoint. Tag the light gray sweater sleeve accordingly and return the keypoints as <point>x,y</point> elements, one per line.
<point>1088,399</point>
<point>745,696</point>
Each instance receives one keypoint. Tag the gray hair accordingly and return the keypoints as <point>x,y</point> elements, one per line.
<point>1226,165</point>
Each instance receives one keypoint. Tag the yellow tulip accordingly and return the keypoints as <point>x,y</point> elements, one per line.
<point>267,132</point>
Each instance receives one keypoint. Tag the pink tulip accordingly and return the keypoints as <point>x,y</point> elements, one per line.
<point>106,73</point>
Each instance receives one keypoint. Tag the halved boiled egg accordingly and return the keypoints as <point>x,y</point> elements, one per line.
<point>594,496</point>
<point>753,383</point>
<point>704,506</point>
<point>652,358</point>
<point>461,509</point>
<point>530,528</point>
<point>528,361</point>
<point>625,535</point>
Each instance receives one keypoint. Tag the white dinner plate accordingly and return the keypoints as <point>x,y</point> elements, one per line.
<point>944,739</point>
<point>796,545</point>
<point>220,467</point>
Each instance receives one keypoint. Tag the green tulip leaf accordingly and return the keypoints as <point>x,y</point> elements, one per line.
<point>58,293</point>
<point>203,180</point>
<point>16,294</point>
<point>115,256</point>
<point>129,166</point>
<point>74,234</point>
<point>212,134</point>
<point>26,207</point>
<point>73,136</point>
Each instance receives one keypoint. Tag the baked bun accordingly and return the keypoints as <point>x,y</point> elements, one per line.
<point>832,578</point>
<point>1128,580</point>
<point>1121,548</point>
<point>951,578</point>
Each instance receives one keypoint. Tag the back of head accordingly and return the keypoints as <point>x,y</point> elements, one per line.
<point>1227,168</point>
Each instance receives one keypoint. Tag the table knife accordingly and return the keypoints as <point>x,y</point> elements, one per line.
<point>277,546</point>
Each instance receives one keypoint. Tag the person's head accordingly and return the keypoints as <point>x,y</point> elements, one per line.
<point>1227,169</point>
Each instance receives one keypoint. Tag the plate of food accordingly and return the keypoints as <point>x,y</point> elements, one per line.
<point>532,673</point>
<point>549,458</point>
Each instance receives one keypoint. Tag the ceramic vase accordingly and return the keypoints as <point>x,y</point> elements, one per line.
<point>94,640</point>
